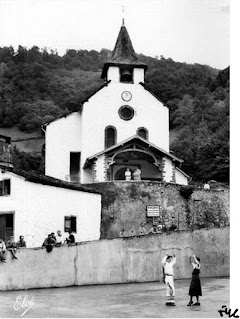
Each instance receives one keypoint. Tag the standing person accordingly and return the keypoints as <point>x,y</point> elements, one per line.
<point>2,251</point>
<point>167,262</point>
<point>137,174</point>
<point>128,174</point>
<point>195,286</point>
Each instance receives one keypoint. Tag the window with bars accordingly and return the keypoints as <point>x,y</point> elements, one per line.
<point>70,224</point>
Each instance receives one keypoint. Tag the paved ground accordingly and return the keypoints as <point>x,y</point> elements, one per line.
<point>141,300</point>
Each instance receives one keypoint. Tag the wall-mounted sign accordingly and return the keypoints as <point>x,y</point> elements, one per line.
<point>153,211</point>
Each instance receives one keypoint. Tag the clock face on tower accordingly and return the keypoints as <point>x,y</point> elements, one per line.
<point>126,96</point>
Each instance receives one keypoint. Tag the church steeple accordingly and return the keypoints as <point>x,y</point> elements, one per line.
<point>123,54</point>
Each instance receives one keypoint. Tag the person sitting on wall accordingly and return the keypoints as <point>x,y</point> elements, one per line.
<point>154,230</point>
<point>59,238</point>
<point>2,251</point>
<point>173,227</point>
<point>54,237</point>
<point>137,174</point>
<point>48,243</point>
<point>128,174</point>
<point>12,247</point>
<point>132,233</point>
<point>70,239</point>
<point>142,230</point>
<point>122,233</point>
<point>159,229</point>
<point>21,243</point>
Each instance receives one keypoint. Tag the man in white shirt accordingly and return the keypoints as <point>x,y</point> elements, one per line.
<point>167,262</point>
<point>59,238</point>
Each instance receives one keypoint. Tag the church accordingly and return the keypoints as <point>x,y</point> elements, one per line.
<point>121,127</point>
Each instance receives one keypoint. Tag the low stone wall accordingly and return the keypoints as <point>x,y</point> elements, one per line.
<point>120,260</point>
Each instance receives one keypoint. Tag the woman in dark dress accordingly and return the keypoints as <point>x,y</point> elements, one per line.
<point>195,286</point>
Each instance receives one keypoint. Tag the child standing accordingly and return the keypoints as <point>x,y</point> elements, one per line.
<point>195,286</point>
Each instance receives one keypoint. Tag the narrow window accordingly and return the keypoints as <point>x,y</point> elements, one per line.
<point>75,166</point>
<point>142,132</point>
<point>110,136</point>
<point>70,224</point>
<point>5,187</point>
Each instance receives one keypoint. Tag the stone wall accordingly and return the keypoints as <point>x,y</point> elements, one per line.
<point>124,206</point>
<point>120,260</point>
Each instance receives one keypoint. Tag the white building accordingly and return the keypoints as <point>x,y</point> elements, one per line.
<point>122,125</point>
<point>34,206</point>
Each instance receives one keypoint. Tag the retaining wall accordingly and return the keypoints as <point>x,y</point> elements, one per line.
<point>120,260</point>
<point>124,206</point>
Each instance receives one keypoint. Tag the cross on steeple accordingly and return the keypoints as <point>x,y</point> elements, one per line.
<point>123,8</point>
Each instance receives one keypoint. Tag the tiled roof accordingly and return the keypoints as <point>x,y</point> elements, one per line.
<point>47,180</point>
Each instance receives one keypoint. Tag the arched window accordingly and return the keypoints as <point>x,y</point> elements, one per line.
<point>142,132</point>
<point>110,136</point>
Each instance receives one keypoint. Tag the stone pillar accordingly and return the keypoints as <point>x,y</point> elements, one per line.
<point>173,180</point>
<point>163,169</point>
<point>94,171</point>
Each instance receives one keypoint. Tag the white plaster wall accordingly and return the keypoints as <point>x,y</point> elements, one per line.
<point>168,169</point>
<point>88,175</point>
<point>113,74</point>
<point>62,137</point>
<point>138,75</point>
<point>180,178</point>
<point>102,110</point>
<point>47,206</point>
<point>100,168</point>
<point>40,209</point>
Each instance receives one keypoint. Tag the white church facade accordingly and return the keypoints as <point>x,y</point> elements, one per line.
<point>123,125</point>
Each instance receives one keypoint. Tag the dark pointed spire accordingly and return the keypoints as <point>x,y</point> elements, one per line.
<point>123,53</point>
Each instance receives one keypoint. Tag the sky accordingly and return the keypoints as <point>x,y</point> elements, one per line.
<point>191,31</point>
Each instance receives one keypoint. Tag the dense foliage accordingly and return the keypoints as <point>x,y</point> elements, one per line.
<point>37,85</point>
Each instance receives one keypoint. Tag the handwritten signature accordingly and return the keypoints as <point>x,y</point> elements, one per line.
<point>23,303</point>
<point>228,312</point>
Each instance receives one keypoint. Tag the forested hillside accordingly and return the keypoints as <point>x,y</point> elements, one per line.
<point>37,85</point>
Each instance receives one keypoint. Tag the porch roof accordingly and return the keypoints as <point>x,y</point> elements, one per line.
<point>135,138</point>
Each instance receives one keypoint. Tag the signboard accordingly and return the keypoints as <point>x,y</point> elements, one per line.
<point>153,211</point>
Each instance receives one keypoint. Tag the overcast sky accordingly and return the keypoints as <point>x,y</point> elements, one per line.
<point>192,31</point>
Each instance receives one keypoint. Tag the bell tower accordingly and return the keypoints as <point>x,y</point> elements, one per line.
<point>124,65</point>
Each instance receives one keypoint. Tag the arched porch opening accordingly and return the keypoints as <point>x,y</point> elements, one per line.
<point>149,165</point>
